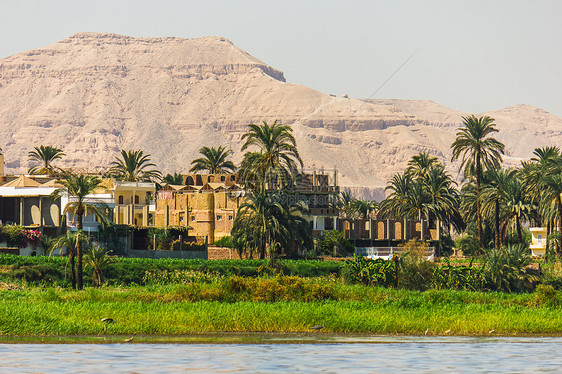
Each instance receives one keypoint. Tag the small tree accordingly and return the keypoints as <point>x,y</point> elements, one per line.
<point>97,257</point>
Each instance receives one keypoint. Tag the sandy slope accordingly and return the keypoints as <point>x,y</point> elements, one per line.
<point>94,94</point>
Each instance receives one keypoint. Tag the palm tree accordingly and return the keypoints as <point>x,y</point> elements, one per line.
<point>495,183</point>
<point>214,160</point>
<point>553,195</point>
<point>134,166</point>
<point>78,188</point>
<point>70,242</point>
<point>365,207</point>
<point>44,155</point>
<point>419,165</point>
<point>518,207</point>
<point>175,179</point>
<point>275,164</point>
<point>407,198</point>
<point>346,204</point>
<point>266,225</point>
<point>423,192</point>
<point>98,258</point>
<point>478,152</point>
<point>539,176</point>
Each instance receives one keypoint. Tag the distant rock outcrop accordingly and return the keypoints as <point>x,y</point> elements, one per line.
<point>94,94</point>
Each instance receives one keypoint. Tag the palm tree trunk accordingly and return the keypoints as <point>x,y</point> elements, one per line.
<point>80,280</point>
<point>559,203</point>
<point>478,213</point>
<point>498,239</point>
<point>519,230</point>
<point>72,268</point>
<point>547,234</point>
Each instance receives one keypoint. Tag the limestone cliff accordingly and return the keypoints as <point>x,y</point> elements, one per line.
<point>93,94</point>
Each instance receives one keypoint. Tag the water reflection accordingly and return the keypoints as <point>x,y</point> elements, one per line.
<point>376,354</point>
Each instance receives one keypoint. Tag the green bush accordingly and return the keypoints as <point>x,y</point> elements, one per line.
<point>551,273</point>
<point>458,277</point>
<point>369,272</point>
<point>415,271</point>
<point>225,241</point>
<point>333,243</point>
<point>546,295</point>
<point>506,269</point>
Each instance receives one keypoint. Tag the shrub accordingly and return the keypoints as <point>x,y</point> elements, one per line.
<point>333,243</point>
<point>415,271</point>
<point>458,277</point>
<point>369,272</point>
<point>506,269</point>
<point>546,295</point>
<point>225,241</point>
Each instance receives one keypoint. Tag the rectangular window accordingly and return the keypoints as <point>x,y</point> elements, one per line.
<point>230,218</point>
<point>539,238</point>
<point>219,217</point>
<point>193,218</point>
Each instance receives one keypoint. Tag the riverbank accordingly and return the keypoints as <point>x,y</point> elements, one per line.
<point>352,310</point>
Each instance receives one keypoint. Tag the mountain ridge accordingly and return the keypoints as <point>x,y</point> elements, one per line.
<point>92,94</point>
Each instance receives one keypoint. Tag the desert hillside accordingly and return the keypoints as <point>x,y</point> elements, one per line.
<point>93,94</point>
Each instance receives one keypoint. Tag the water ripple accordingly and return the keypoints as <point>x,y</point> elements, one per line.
<point>389,355</point>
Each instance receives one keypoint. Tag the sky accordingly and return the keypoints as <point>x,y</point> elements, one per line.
<point>471,55</point>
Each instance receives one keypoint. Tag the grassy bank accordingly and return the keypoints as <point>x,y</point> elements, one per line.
<point>350,309</point>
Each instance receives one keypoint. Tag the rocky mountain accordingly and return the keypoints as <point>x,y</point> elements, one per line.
<point>93,94</point>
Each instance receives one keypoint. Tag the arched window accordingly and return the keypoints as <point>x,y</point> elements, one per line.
<point>189,181</point>
<point>120,199</point>
<point>210,179</point>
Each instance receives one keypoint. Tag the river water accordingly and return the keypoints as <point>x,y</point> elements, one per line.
<point>340,355</point>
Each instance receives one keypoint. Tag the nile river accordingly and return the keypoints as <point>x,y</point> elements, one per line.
<point>339,355</point>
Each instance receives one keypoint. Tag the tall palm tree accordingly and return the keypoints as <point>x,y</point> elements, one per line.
<point>539,176</point>
<point>70,242</point>
<point>276,162</point>
<point>478,152</point>
<point>214,160</point>
<point>518,207</point>
<point>419,165</point>
<point>134,166</point>
<point>78,188</point>
<point>175,179</point>
<point>553,195</point>
<point>492,202</point>
<point>44,155</point>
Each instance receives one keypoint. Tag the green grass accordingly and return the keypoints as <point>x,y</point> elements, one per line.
<point>352,309</point>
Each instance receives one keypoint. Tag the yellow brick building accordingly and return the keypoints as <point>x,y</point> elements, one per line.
<point>209,210</point>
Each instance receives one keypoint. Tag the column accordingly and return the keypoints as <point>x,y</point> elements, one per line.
<point>21,211</point>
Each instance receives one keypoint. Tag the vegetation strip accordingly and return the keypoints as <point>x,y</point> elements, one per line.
<point>161,311</point>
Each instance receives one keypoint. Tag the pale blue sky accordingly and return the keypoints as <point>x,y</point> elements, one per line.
<point>471,55</point>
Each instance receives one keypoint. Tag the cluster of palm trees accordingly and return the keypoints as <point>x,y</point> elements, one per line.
<point>269,221</point>
<point>424,191</point>
<point>502,200</point>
